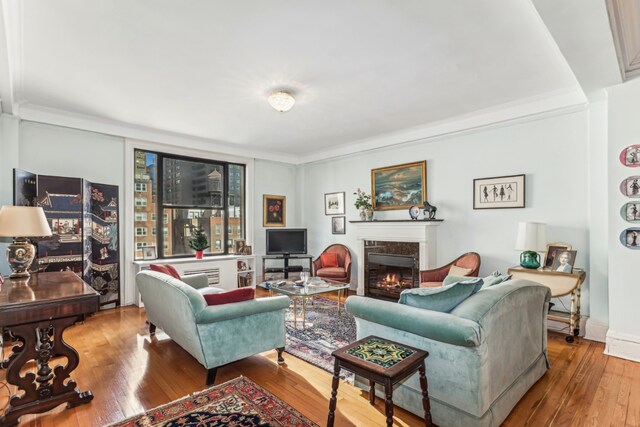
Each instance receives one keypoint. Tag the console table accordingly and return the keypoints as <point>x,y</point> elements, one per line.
<point>560,284</point>
<point>36,311</point>
<point>286,268</point>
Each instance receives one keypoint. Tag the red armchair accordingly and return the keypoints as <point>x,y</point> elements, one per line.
<point>434,278</point>
<point>341,273</point>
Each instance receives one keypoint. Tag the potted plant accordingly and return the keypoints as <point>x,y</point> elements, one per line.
<point>363,203</point>
<point>198,241</point>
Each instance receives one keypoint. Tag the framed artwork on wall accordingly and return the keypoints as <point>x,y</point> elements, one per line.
<point>630,156</point>
<point>334,203</point>
<point>630,238</point>
<point>631,212</point>
<point>274,211</point>
<point>338,225</point>
<point>630,187</point>
<point>399,187</point>
<point>500,192</point>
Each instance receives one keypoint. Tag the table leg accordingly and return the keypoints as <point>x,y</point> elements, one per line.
<point>572,318</point>
<point>304,313</point>
<point>425,396</point>
<point>388,402</point>
<point>334,393</point>
<point>295,313</point>
<point>576,329</point>
<point>372,392</point>
<point>339,299</point>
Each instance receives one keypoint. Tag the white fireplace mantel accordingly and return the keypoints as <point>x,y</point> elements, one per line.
<point>422,232</point>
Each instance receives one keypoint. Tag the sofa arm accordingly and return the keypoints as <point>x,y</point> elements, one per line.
<point>196,281</point>
<point>434,325</point>
<point>222,312</point>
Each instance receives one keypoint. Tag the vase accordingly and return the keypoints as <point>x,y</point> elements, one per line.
<point>369,214</point>
<point>363,214</point>
<point>198,254</point>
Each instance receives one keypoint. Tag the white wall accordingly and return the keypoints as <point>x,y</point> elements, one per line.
<point>623,338</point>
<point>552,152</point>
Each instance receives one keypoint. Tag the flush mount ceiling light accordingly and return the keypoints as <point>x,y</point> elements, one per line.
<point>281,101</point>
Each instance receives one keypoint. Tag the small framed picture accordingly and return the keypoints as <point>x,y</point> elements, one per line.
<point>247,250</point>
<point>149,252</point>
<point>334,203</point>
<point>554,249</point>
<point>274,211</point>
<point>564,261</point>
<point>238,246</point>
<point>338,225</point>
<point>630,238</point>
<point>501,192</point>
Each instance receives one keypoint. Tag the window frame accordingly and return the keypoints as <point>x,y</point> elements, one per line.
<point>160,206</point>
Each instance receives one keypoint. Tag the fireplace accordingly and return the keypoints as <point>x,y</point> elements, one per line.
<point>390,274</point>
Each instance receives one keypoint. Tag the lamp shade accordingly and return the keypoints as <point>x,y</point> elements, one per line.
<point>532,236</point>
<point>23,221</point>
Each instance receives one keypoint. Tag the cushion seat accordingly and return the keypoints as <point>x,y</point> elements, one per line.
<point>330,272</point>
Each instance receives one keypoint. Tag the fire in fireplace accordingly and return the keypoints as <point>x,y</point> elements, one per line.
<point>390,274</point>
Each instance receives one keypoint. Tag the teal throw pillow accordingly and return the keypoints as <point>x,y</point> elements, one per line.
<point>443,299</point>
<point>495,278</point>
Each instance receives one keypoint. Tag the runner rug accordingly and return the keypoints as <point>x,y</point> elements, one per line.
<point>236,403</point>
<point>324,332</point>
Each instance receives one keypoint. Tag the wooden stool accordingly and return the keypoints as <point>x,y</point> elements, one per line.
<point>384,362</point>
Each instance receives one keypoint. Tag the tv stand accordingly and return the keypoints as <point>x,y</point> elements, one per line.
<point>286,268</point>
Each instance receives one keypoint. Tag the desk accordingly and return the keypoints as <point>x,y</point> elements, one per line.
<point>36,311</point>
<point>561,284</point>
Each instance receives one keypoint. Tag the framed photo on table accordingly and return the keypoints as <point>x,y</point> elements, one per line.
<point>274,211</point>
<point>149,252</point>
<point>334,203</point>
<point>553,249</point>
<point>500,192</point>
<point>564,261</point>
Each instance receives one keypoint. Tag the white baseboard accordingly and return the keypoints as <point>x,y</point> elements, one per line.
<point>596,331</point>
<point>623,345</point>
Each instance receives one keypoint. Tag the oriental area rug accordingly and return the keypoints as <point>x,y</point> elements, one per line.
<point>236,403</point>
<point>324,332</point>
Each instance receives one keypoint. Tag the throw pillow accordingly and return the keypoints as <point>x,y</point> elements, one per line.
<point>167,269</point>
<point>495,278</point>
<point>443,299</point>
<point>329,259</point>
<point>235,295</point>
<point>459,271</point>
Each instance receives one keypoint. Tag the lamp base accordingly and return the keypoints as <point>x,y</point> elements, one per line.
<point>20,255</point>
<point>530,259</point>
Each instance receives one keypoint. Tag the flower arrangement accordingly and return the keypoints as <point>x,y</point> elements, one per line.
<point>363,201</point>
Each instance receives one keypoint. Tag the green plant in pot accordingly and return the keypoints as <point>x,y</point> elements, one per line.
<point>363,203</point>
<point>198,241</point>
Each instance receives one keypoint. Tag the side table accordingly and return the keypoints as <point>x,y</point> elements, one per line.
<point>561,284</point>
<point>384,362</point>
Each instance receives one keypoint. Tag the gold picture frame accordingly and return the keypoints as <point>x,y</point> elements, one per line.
<point>552,248</point>
<point>386,193</point>
<point>274,211</point>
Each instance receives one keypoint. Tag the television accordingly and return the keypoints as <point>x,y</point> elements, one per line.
<point>287,241</point>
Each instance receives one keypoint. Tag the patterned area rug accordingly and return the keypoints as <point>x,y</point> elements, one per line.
<point>324,332</point>
<point>236,403</point>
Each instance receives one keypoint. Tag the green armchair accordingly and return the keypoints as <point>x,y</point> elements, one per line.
<point>213,335</point>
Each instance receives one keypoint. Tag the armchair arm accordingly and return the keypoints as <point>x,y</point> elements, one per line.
<point>434,325</point>
<point>317,264</point>
<point>435,275</point>
<point>222,312</point>
<point>196,281</point>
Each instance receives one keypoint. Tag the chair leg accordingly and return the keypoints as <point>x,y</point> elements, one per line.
<point>152,329</point>
<point>211,376</point>
<point>280,358</point>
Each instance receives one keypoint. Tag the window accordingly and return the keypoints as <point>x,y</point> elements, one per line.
<point>140,245</point>
<point>188,194</point>
<point>141,231</point>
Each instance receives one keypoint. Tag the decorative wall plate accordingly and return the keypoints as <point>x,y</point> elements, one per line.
<point>631,211</point>
<point>630,238</point>
<point>630,187</point>
<point>630,156</point>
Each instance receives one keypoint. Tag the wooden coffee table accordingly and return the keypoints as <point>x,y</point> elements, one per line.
<point>384,362</point>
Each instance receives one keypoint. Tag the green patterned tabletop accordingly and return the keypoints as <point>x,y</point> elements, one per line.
<point>380,352</point>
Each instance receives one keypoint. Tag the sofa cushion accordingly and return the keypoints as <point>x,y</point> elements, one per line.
<point>235,295</point>
<point>431,284</point>
<point>166,269</point>
<point>459,271</point>
<point>329,259</point>
<point>331,272</point>
<point>495,278</point>
<point>444,298</point>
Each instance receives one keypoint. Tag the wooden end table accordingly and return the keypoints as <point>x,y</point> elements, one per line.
<point>384,362</point>
<point>36,311</point>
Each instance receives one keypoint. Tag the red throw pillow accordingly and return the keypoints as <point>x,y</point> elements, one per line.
<point>329,259</point>
<point>236,295</point>
<point>167,269</point>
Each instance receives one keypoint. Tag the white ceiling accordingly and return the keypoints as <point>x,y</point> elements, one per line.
<point>362,71</point>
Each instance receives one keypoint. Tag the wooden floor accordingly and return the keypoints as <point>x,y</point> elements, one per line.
<point>129,372</point>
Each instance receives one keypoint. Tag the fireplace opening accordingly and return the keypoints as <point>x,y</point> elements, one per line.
<point>390,274</point>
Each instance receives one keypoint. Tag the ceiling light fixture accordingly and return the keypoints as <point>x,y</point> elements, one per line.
<point>281,101</point>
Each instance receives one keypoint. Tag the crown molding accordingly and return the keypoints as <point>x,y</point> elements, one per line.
<point>10,55</point>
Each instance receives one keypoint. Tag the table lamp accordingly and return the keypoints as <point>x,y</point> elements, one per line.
<point>21,222</point>
<point>532,238</point>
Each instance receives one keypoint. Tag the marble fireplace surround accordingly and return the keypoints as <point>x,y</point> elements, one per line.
<point>421,232</point>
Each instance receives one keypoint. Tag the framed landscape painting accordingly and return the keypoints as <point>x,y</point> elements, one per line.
<point>501,192</point>
<point>274,211</point>
<point>400,186</point>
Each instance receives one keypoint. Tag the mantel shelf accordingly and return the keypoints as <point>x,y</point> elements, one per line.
<point>414,221</point>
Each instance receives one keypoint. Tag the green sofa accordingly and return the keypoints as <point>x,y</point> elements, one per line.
<point>214,335</point>
<point>483,355</point>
